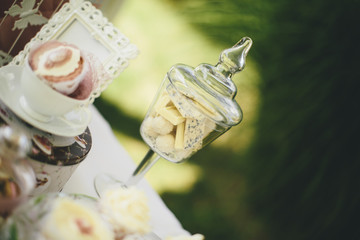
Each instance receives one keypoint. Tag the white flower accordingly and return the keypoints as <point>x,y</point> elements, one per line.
<point>72,220</point>
<point>127,210</point>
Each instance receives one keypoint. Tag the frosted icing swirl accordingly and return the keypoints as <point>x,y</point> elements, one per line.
<point>63,67</point>
<point>60,61</point>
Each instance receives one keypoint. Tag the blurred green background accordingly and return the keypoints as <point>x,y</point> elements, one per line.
<point>290,169</point>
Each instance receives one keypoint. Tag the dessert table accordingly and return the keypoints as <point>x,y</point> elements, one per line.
<point>107,155</point>
<point>108,51</point>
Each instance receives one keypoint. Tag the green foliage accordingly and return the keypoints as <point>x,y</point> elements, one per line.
<point>118,120</point>
<point>301,171</point>
<point>13,232</point>
<point>299,179</point>
<point>306,150</point>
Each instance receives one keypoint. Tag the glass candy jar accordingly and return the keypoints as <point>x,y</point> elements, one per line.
<point>194,106</point>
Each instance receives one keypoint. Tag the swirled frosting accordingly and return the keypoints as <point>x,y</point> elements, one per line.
<point>61,66</point>
<point>60,61</point>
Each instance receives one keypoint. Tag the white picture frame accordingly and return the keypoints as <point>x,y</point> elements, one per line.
<point>78,22</point>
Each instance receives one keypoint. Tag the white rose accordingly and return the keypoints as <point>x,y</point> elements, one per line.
<point>71,220</point>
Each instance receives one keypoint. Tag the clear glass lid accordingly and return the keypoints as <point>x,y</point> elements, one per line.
<point>210,88</point>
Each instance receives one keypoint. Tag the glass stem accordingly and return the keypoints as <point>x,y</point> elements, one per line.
<point>148,161</point>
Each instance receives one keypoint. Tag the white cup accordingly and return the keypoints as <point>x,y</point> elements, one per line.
<point>42,102</point>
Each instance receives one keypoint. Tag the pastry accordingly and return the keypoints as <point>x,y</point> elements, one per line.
<point>177,127</point>
<point>63,67</point>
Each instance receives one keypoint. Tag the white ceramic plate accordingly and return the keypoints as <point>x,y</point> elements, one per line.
<point>69,125</point>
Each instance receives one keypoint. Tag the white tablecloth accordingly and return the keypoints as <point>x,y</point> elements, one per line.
<point>107,155</point>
